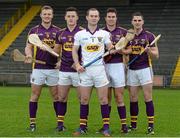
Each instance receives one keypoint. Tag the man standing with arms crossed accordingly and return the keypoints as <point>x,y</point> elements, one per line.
<point>92,42</point>
<point>67,75</point>
<point>42,74</point>
<point>115,67</point>
<point>140,71</point>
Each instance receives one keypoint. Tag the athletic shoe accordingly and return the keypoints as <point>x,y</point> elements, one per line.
<point>61,128</point>
<point>79,132</point>
<point>150,131</point>
<point>125,130</point>
<point>32,127</point>
<point>106,132</point>
<point>130,128</point>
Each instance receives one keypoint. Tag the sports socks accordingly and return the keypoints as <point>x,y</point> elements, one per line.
<point>122,115</point>
<point>150,113</point>
<point>105,116</point>
<point>134,109</point>
<point>32,112</point>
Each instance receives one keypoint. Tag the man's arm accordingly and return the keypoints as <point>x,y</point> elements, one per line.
<point>58,50</point>
<point>153,52</point>
<point>28,53</point>
<point>75,56</point>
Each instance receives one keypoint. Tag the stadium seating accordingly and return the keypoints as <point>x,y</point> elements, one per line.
<point>161,17</point>
<point>8,9</point>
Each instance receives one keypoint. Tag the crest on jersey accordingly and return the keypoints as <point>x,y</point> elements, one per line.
<point>143,41</point>
<point>100,39</point>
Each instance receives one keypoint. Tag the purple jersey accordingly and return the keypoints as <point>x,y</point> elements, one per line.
<point>138,44</point>
<point>116,34</point>
<point>66,40</point>
<point>48,36</point>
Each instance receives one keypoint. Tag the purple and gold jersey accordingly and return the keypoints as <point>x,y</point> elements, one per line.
<point>66,40</point>
<point>138,44</point>
<point>48,36</point>
<point>116,34</point>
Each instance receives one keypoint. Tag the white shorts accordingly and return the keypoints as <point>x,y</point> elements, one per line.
<point>94,75</point>
<point>116,74</point>
<point>68,78</point>
<point>49,77</point>
<point>139,77</point>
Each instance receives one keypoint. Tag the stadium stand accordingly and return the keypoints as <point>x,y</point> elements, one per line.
<point>8,9</point>
<point>161,17</point>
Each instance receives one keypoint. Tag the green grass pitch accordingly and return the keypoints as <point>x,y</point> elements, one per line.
<point>14,114</point>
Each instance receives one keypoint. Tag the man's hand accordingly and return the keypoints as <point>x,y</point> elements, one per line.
<point>58,64</point>
<point>28,59</point>
<point>79,68</point>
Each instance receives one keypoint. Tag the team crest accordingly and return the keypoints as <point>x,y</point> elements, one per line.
<point>100,39</point>
<point>142,41</point>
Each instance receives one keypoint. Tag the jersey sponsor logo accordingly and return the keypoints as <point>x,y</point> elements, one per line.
<point>136,50</point>
<point>92,48</point>
<point>68,46</point>
<point>49,42</point>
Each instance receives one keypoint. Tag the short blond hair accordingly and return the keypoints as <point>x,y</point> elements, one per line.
<point>46,7</point>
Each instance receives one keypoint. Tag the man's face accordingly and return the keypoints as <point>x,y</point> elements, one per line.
<point>71,18</point>
<point>137,22</point>
<point>111,18</point>
<point>46,15</point>
<point>93,17</point>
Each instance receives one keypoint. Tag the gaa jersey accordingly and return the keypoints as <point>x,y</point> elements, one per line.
<point>116,35</point>
<point>92,44</point>
<point>48,36</point>
<point>66,40</point>
<point>138,44</point>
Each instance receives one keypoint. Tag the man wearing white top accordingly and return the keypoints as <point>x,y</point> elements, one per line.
<point>92,42</point>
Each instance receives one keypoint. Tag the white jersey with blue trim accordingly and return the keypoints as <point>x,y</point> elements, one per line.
<point>92,44</point>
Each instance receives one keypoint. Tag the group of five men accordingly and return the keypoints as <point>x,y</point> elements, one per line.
<point>77,47</point>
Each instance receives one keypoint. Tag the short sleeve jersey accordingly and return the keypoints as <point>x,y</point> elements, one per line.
<point>116,35</point>
<point>48,36</point>
<point>65,38</point>
<point>92,44</point>
<point>138,44</point>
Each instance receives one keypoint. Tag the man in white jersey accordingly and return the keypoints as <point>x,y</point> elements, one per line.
<point>93,42</point>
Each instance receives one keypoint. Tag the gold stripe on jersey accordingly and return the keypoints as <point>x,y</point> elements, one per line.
<point>35,52</point>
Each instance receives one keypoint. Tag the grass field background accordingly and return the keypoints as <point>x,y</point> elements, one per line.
<point>14,118</point>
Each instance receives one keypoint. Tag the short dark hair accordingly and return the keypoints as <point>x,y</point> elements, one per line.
<point>46,7</point>
<point>91,9</point>
<point>72,9</point>
<point>137,14</point>
<point>111,10</point>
